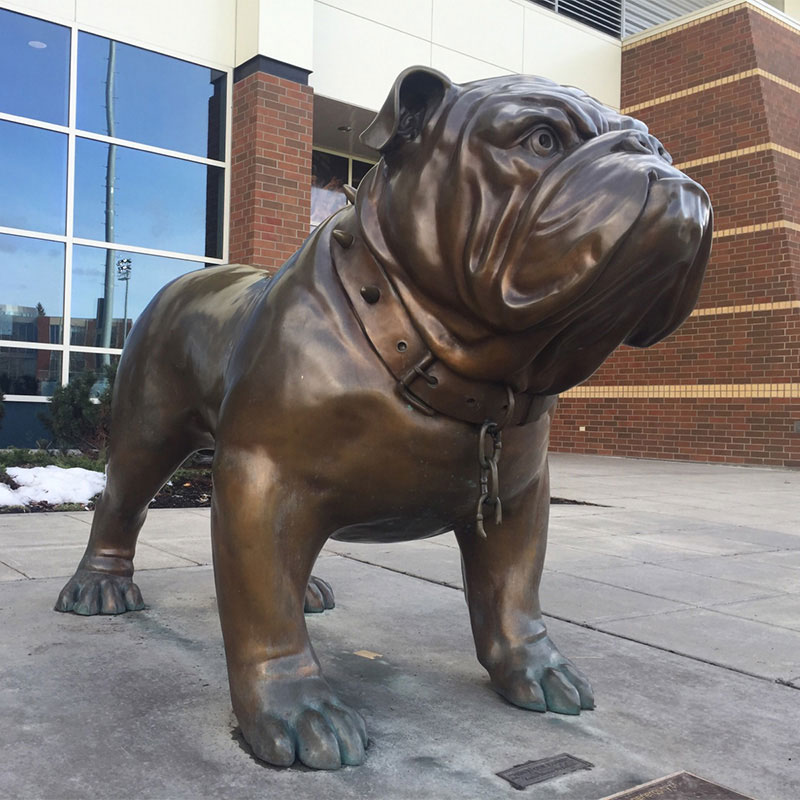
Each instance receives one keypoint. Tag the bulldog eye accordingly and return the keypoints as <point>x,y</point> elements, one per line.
<point>543,142</point>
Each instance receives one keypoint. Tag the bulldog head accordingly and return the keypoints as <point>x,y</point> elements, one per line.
<point>529,228</point>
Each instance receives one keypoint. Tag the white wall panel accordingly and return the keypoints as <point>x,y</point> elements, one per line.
<point>463,69</point>
<point>792,9</point>
<point>490,30</point>
<point>356,61</point>
<point>285,31</point>
<point>246,30</point>
<point>408,16</point>
<point>573,54</point>
<point>195,29</point>
<point>57,10</point>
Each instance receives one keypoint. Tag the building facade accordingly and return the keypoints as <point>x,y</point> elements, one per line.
<point>142,140</point>
<point>722,90</point>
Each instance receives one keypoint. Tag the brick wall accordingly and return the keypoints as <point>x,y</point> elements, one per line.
<point>722,93</point>
<point>270,169</point>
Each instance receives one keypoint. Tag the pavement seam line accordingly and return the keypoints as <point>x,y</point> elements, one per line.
<point>589,626</point>
<point>400,572</point>
<point>649,594</point>
<point>684,569</point>
<point>757,621</point>
<point>728,667</point>
<point>18,571</point>
<point>170,553</point>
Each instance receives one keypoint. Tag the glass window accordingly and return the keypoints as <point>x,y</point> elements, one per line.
<point>31,289</point>
<point>34,63</point>
<point>156,201</point>
<point>28,371</point>
<point>133,280</point>
<point>93,363</point>
<point>329,173</point>
<point>360,169</point>
<point>147,97</point>
<point>33,178</point>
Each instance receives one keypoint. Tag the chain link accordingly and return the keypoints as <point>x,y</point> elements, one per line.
<point>491,437</point>
<point>490,447</point>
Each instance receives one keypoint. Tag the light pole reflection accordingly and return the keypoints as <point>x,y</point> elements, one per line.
<point>124,274</point>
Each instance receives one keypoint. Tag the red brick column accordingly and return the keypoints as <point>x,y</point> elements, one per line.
<point>270,169</point>
<point>722,93</point>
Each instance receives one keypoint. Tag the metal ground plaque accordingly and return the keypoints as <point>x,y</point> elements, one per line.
<point>524,775</point>
<point>680,786</point>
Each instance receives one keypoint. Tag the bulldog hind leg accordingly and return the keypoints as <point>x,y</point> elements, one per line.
<point>502,574</point>
<point>147,445</point>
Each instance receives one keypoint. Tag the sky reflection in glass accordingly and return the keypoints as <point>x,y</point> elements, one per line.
<point>159,201</point>
<point>34,63</point>
<point>157,100</point>
<point>147,275</point>
<point>33,178</point>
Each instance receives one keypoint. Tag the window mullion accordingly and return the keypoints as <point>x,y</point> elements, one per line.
<point>66,324</point>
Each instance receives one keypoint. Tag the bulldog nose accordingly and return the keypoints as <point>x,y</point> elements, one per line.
<point>640,142</point>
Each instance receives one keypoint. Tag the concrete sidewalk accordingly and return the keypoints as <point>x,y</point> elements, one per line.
<point>679,597</point>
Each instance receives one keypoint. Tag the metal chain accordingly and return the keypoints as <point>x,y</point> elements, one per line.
<point>489,437</point>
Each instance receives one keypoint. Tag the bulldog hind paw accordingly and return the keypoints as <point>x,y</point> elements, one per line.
<point>543,680</point>
<point>89,593</point>
<point>319,596</point>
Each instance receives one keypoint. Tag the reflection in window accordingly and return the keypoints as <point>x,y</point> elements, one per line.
<point>329,173</point>
<point>31,289</point>
<point>34,63</point>
<point>147,97</point>
<point>33,178</point>
<point>95,364</point>
<point>157,201</point>
<point>133,281</point>
<point>360,169</point>
<point>30,372</point>
<point>121,194</point>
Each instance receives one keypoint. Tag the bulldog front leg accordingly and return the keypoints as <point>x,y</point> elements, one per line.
<point>265,540</point>
<point>502,574</point>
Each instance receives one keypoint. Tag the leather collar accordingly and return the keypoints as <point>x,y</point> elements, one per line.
<point>423,381</point>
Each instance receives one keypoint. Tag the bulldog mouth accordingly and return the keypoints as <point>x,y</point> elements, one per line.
<point>679,249</point>
<point>643,289</point>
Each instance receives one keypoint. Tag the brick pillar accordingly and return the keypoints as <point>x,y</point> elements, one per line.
<point>722,93</point>
<point>270,162</point>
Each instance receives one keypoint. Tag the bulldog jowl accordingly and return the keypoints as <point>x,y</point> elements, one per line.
<point>513,233</point>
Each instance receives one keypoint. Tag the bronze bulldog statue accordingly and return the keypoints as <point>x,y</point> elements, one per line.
<point>513,233</point>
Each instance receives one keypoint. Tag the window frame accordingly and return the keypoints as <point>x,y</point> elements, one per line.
<point>74,133</point>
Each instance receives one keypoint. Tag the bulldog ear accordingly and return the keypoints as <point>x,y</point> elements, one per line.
<point>416,93</point>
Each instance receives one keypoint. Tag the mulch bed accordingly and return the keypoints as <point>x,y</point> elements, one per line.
<point>189,491</point>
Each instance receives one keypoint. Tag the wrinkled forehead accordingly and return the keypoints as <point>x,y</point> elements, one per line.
<point>525,94</point>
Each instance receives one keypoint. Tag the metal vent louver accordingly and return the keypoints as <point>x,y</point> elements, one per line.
<point>622,18</point>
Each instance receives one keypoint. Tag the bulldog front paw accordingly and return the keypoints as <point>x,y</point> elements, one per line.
<point>539,678</point>
<point>319,596</point>
<point>89,592</point>
<point>303,720</point>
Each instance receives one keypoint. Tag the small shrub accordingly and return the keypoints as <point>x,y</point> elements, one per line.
<point>78,420</point>
<point>20,457</point>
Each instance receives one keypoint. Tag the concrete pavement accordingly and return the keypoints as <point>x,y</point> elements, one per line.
<point>680,598</point>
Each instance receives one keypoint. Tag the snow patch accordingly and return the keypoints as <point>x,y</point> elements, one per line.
<point>54,485</point>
